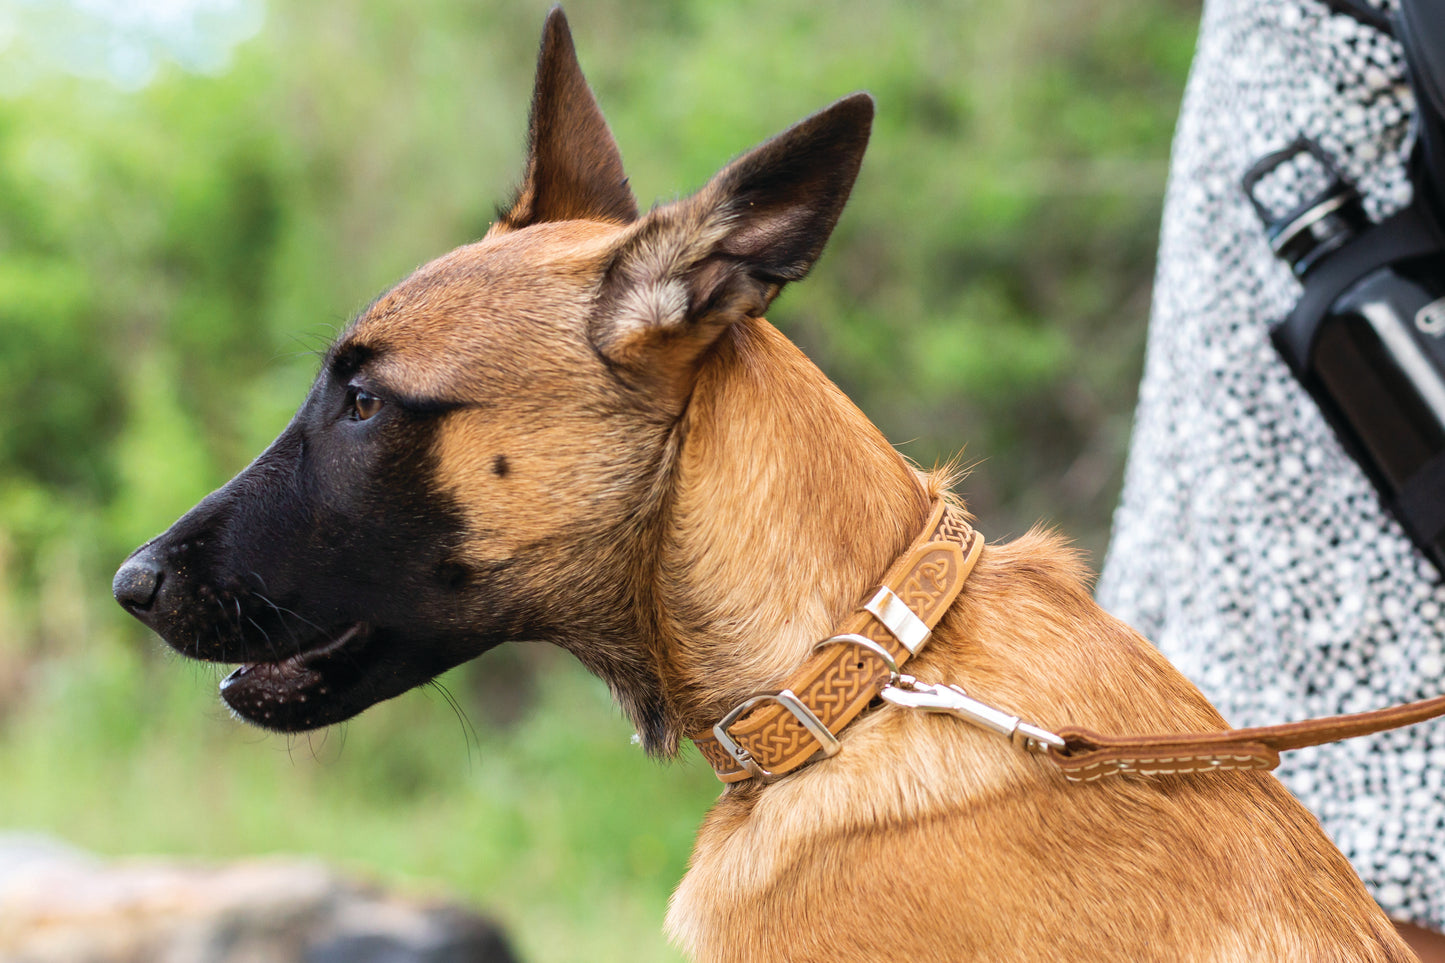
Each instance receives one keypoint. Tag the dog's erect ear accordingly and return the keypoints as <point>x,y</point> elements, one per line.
<point>690,269</point>
<point>574,170</point>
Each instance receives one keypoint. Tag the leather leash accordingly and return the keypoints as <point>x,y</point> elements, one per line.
<point>1088,756</point>
<point>773,733</point>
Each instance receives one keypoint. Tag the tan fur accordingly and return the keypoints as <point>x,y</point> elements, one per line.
<point>926,839</point>
<point>694,505</point>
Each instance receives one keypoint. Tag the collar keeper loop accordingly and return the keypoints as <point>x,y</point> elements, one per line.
<point>899,619</point>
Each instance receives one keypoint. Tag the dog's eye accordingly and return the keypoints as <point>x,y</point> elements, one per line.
<point>364,405</point>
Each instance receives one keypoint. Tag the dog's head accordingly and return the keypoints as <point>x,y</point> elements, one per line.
<point>487,449</point>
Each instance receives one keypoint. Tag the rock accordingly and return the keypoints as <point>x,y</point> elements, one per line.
<point>26,852</point>
<point>58,905</point>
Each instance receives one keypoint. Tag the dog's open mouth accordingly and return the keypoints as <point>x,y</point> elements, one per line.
<point>303,691</point>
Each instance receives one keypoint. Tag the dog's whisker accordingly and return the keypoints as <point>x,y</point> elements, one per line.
<point>469,731</point>
<point>270,645</point>
<point>284,612</point>
<point>282,618</point>
<point>317,740</point>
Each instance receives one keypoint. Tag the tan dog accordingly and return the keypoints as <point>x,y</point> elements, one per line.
<point>580,429</point>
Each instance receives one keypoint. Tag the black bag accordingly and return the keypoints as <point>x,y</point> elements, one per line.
<point>1367,338</point>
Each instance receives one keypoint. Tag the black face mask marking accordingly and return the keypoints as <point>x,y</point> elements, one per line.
<point>330,567</point>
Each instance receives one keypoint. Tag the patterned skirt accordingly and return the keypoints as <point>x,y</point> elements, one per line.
<point>1247,544</point>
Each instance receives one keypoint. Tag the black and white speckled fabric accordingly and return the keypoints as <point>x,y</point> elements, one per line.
<point>1247,544</point>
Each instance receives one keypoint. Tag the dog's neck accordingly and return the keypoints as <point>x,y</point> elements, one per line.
<point>787,505</point>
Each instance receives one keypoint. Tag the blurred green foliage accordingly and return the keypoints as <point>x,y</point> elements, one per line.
<point>173,253</point>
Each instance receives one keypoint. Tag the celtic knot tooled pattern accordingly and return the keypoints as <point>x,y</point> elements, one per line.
<point>952,527</point>
<point>715,754</point>
<point>926,585</point>
<point>782,739</point>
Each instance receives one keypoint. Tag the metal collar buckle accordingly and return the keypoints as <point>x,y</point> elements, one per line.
<point>826,740</point>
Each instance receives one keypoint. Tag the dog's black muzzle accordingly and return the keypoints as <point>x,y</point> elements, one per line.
<point>228,582</point>
<point>328,569</point>
<point>206,585</point>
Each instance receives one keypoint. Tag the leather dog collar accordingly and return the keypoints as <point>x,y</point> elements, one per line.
<point>773,733</point>
<point>776,732</point>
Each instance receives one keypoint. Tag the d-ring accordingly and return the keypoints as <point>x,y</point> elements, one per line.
<point>863,642</point>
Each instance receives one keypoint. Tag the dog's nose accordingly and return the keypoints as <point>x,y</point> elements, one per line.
<point>136,583</point>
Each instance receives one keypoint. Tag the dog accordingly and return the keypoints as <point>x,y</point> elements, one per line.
<point>581,429</point>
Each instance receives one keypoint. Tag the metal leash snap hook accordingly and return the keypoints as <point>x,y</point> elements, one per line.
<point>951,699</point>
<point>909,693</point>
